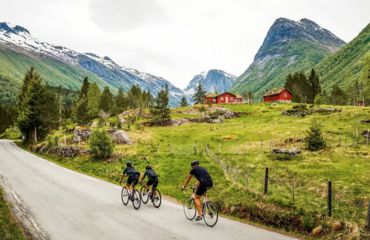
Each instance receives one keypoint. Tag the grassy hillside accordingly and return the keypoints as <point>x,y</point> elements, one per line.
<point>14,64</point>
<point>239,151</point>
<point>348,63</point>
<point>297,55</point>
<point>9,229</point>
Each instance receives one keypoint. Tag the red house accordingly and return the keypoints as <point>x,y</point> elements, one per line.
<point>225,97</point>
<point>281,95</point>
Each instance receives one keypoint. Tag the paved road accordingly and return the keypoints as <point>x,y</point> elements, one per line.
<point>69,205</point>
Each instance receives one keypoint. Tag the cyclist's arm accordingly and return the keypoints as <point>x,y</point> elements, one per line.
<point>122,177</point>
<point>187,180</point>
<point>142,179</point>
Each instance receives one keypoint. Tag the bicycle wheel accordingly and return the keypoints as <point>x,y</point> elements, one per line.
<point>125,195</point>
<point>136,199</point>
<point>189,208</point>
<point>210,214</point>
<point>144,193</point>
<point>156,198</point>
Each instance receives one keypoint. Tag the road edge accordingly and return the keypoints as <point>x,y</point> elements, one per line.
<point>31,228</point>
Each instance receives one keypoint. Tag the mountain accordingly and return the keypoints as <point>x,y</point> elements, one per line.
<point>348,63</point>
<point>212,81</point>
<point>289,46</point>
<point>64,67</point>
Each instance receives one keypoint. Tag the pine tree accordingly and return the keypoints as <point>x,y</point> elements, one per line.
<point>121,101</point>
<point>184,102</point>
<point>298,85</point>
<point>93,101</point>
<point>314,86</point>
<point>39,111</point>
<point>337,95</point>
<point>315,141</point>
<point>161,113</point>
<point>106,101</point>
<point>199,95</point>
<point>84,88</point>
<point>30,76</point>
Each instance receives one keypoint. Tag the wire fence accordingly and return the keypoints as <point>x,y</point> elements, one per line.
<point>347,201</point>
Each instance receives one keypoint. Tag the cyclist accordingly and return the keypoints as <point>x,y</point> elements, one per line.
<point>132,174</point>
<point>205,183</point>
<point>152,178</point>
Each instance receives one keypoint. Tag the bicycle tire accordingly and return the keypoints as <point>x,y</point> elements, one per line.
<point>125,195</point>
<point>189,208</point>
<point>136,199</point>
<point>210,213</point>
<point>144,193</point>
<point>157,200</point>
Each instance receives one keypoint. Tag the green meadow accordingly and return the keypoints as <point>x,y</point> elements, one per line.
<point>237,152</point>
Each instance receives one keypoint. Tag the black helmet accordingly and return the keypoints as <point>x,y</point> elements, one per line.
<point>195,162</point>
<point>148,167</point>
<point>129,164</point>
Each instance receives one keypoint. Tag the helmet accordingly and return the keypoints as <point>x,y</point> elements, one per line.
<point>195,162</point>
<point>148,167</point>
<point>129,164</point>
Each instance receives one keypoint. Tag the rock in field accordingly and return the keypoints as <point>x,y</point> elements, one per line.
<point>121,137</point>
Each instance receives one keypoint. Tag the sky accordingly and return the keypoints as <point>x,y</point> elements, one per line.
<point>176,39</point>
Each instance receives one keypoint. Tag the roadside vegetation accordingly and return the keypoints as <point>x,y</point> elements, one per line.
<point>301,147</point>
<point>9,229</point>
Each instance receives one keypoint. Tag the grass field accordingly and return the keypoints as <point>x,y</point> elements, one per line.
<point>237,152</point>
<point>9,229</point>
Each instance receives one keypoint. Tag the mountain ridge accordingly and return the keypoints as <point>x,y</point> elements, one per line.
<point>289,46</point>
<point>214,80</point>
<point>18,39</point>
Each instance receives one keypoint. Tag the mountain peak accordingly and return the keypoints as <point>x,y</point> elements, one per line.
<point>10,28</point>
<point>284,30</point>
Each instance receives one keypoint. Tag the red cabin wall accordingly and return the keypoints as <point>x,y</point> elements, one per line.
<point>283,96</point>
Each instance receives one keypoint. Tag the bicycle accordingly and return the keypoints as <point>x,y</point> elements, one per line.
<point>155,196</point>
<point>128,195</point>
<point>209,209</point>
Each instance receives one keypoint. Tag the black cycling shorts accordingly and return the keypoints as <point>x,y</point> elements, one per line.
<point>133,180</point>
<point>203,187</point>
<point>152,181</point>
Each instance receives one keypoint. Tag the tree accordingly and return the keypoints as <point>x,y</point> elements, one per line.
<point>101,143</point>
<point>93,101</point>
<point>337,95</point>
<point>8,115</point>
<point>106,101</point>
<point>199,95</point>
<point>314,86</point>
<point>84,88</point>
<point>161,113</point>
<point>315,141</point>
<point>121,101</point>
<point>298,85</point>
<point>30,76</point>
<point>248,95</point>
<point>184,102</point>
<point>82,112</point>
<point>39,109</point>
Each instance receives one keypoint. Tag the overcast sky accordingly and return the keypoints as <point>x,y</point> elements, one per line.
<point>172,38</point>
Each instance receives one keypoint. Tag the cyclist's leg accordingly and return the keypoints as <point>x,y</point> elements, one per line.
<point>202,188</point>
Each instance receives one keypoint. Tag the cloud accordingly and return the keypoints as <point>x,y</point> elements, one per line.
<point>121,15</point>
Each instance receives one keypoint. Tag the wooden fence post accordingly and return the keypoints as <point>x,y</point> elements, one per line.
<point>330,198</point>
<point>340,139</point>
<point>265,190</point>
<point>219,148</point>
<point>65,140</point>
<point>171,150</point>
<point>206,149</point>
<point>367,138</point>
<point>368,218</point>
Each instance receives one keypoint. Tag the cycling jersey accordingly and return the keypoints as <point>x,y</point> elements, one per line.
<point>201,174</point>
<point>150,174</point>
<point>131,172</point>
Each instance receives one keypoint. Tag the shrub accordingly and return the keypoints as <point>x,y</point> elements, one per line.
<point>12,133</point>
<point>101,143</point>
<point>315,141</point>
<point>52,140</point>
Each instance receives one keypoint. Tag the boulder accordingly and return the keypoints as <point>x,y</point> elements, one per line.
<point>179,122</point>
<point>317,231</point>
<point>121,137</point>
<point>81,134</point>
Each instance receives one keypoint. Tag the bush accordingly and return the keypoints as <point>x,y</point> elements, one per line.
<point>12,133</point>
<point>52,140</point>
<point>315,141</point>
<point>101,143</point>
